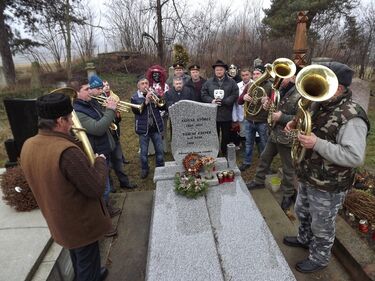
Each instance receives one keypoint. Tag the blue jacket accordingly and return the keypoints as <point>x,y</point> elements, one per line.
<point>141,119</point>
<point>102,143</point>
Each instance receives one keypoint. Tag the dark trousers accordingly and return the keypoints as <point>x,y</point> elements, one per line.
<point>117,164</point>
<point>223,131</point>
<point>86,262</point>
<point>269,152</point>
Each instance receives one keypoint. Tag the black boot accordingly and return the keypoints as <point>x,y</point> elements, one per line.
<point>287,202</point>
<point>292,241</point>
<point>254,185</point>
<point>308,266</point>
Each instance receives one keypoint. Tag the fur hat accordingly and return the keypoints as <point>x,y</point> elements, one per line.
<point>53,106</point>
<point>260,68</point>
<point>220,63</point>
<point>343,72</point>
<point>95,82</point>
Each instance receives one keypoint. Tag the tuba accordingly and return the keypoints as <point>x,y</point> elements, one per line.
<point>78,130</point>
<point>281,68</point>
<point>315,83</point>
<point>257,93</point>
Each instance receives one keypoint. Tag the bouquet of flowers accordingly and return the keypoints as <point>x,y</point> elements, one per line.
<point>190,186</point>
<point>208,163</point>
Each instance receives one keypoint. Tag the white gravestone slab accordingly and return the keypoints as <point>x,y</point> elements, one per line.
<point>193,129</point>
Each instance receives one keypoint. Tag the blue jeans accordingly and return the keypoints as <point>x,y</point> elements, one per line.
<point>250,131</point>
<point>159,150</point>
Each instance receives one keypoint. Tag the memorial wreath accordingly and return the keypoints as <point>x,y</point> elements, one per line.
<point>190,183</point>
<point>190,186</point>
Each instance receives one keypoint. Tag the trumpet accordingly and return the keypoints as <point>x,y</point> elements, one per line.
<point>121,105</point>
<point>158,101</point>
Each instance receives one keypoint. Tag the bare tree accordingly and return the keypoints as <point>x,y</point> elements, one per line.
<point>368,24</point>
<point>84,35</point>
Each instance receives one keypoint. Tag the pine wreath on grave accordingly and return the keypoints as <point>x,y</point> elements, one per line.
<point>16,191</point>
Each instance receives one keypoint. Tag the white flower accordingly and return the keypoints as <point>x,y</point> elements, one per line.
<point>18,189</point>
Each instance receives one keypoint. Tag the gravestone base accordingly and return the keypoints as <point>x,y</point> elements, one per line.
<point>219,236</point>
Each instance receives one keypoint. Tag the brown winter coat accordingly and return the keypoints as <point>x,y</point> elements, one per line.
<point>75,214</point>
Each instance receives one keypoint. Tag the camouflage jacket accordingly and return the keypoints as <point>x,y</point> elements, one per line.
<point>327,120</point>
<point>288,106</point>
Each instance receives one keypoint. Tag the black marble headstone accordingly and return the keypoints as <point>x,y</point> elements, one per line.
<point>23,121</point>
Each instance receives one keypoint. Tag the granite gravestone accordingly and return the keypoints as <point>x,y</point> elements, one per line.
<point>193,129</point>
<point>23,121</point>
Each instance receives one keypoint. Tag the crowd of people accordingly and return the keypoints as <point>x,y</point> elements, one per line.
<point>79,191</point>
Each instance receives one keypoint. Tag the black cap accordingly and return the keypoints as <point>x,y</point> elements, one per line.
<point>220,63</point>
<point>178,65</point>
<point>260,68</point>
<point>343,72</point>
<point>53,106</point>
<point>194,67</point>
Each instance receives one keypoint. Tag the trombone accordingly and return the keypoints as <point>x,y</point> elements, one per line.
<point>121,105</point>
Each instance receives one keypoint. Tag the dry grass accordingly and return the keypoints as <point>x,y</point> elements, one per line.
<point>125,86</point>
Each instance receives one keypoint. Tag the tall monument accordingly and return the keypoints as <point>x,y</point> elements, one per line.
<point>300,41</point>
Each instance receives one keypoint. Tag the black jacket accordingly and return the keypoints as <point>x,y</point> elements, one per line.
<point>196,87</point>
<point>224,112</point>
<point>172,96</point>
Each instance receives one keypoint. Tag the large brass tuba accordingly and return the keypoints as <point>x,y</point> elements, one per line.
<point>256,93</point>
<point>315,83</point>
<point>281,68</point>
<point>77,128</point>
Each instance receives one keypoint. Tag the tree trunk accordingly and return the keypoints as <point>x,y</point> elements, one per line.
<point>364,56</point>
<point>160,32</point>
<point>68,43</point>
<point>6,54</point>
